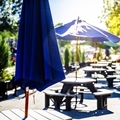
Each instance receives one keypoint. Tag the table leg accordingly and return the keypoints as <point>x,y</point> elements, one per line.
<point>91,87</point>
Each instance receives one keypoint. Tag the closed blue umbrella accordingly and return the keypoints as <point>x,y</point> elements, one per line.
<point>37,50</point>
<point>38,63</point>
<point>84,31</point>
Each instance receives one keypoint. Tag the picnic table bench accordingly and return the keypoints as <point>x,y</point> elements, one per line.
<point>77,89</point>
<point>110,71</point>
<point>18,114</point>
<point>87,83</point>
<point>101,97</point>
<point>54,95</point>
<point>110,79</point>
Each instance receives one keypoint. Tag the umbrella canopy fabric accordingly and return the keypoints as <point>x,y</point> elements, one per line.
<point>38,63</point>
<point>103,45</point>
<point>111,36</point>
<point>98,44</point>
<point>85,31</point>
<point>111,44</point>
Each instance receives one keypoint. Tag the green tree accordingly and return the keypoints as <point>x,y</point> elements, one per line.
<point>111,16</point>
<point>72,57</point>
<point>62,43</point>
<point>4,55</point>
<point>58,24</point>
<point>67,58</point>
<point>10,15</point>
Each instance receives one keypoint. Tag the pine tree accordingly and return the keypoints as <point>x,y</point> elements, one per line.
<point>67,58</point>
<point>4,55</point>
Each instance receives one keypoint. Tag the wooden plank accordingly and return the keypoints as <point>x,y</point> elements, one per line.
<point>3,117</point>
<point>80,87</point>
<point>11,115</point>
<point>21,114</point>
<point>37,115</point>
<point>52,93</point>
<point>48,115</point>
<point>55,88</point>
<point>102,93</point>
<point>60,115</point>
<point>18,114</point>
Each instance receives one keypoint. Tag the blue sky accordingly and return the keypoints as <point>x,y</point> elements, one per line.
<point>66,10</point>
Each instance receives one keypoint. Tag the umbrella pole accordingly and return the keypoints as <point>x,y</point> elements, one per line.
<point>26,101</point>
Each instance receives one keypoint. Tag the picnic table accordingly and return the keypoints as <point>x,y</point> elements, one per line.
<point>99,65</point>
<point>104,62</point>
<point>101,96</point>
<point>109,63</point>
<point>67,93</point>
<point>90,70</point>
<point>69,83</point>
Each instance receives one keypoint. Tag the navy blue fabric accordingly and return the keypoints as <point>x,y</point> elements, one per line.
<point>107,53</point>
<point>84,31</point>
<point>38,63</point>
<point>111,36</point>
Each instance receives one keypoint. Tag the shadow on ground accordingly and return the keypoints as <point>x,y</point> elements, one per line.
<point>76,114</point>
<point>81,114</point>
<point>20,94</point>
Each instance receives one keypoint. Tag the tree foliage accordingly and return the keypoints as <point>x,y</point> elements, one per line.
<point>58,24</point>
<point>10,14</point>
<point>111,16</point>
<point>67,56</point>
<point>4,55</point>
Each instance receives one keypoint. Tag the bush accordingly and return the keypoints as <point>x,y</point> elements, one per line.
<point>7,75</point>
<point>4,56</point>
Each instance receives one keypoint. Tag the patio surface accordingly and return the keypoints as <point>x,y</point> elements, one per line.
<point>86,111</point>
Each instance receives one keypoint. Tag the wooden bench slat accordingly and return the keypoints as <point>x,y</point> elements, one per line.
<point>37,115</point>
<point>80,88</point>
<point>61,115</point>
<point>58,94</point>
<point>14,114</point>
<point>21,113</point>
<point>11,115</point>
<point>3,117</point>
<point>111,76</point>
<point>47,115</point>
<point>102,93</point>
<point>55,88</point>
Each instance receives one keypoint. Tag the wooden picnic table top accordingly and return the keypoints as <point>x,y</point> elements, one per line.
<point>18,114</point>
<point>104,62</point>
<point>110,70</point>
<point>82,80</point>
<point>93,69</point>
<point>99,65</point>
